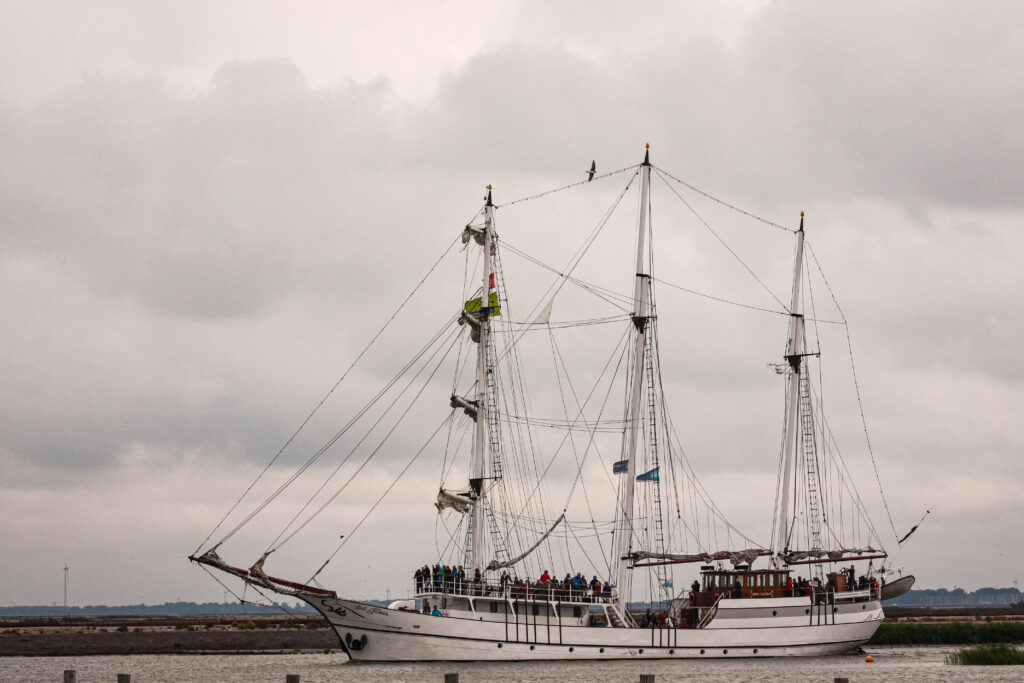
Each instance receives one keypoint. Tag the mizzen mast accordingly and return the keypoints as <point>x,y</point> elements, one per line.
<point>799,421</point>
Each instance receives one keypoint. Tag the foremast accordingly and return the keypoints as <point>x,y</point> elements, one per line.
<point>475,530</point>
<point>623,539</point>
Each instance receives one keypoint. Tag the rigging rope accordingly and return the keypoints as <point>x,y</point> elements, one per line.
<point>723,203</point>
<point>720,300</point>
<point>452,334</point>
<point>723,242</point>
<point>856,386</point>
<point>564,187</point>
<point>323,449</point>
<point>372,453</point>
<point>405,469</point>
<point>326,396</point>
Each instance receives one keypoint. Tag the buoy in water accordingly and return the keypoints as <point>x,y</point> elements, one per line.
<point>869,658</point>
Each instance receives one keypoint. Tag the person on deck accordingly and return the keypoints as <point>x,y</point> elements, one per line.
<point>695,586</point>
<point>595,588</point>
<point>545,578</point>
<point>737,589</point>
<point>789,586</point>
<point>606,590</point>
<point>567,586</point>
<point>578,584</point>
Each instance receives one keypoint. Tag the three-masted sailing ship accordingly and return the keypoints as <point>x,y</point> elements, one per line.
<point>488,594</point>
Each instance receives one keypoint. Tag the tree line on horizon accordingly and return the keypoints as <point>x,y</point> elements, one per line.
<point>927,597</point>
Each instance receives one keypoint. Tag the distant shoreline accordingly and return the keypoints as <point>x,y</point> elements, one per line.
<point>126,636</point>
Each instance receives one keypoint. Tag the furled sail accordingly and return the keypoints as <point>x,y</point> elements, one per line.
<point>458,500</point>
<point>836,554</point>
<point>494,564</point>
<point>736,557</point>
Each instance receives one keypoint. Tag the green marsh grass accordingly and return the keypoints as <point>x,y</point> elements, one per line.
<point>987,655</point>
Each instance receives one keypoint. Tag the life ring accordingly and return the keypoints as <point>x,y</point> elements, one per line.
<point>693,598</point>
<point>717,595</point>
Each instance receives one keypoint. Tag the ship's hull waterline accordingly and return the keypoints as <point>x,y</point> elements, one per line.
<point>375,634</point>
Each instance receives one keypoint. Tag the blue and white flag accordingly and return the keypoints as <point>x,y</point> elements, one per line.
<point>648,476</point>
<point>620,466</point>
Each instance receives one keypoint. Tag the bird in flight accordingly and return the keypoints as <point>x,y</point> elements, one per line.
<point>593,169</point>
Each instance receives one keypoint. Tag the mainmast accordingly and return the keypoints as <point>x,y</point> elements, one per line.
<point>795,359</point>
<point>641,314</point>
<point>475,529</point>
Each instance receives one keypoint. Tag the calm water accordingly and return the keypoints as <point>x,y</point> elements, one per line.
<point>891,664</point>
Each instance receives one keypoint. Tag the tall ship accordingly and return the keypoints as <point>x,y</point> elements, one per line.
<point>569,522</point>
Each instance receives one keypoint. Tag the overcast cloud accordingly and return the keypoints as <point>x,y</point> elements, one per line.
<point>207,210</point>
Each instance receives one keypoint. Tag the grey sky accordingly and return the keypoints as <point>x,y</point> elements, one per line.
<point>206,210</point>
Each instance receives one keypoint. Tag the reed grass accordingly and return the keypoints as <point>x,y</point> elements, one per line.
<point>987,655</point>
<point>949,633</point>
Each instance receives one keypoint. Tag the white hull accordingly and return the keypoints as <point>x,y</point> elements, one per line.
<point>740,628</point>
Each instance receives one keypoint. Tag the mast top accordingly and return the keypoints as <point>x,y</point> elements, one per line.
<point>489,202</point>
<point>801,222</point>
<point>647,154</point>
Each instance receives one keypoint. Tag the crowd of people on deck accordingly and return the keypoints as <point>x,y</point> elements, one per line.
<point>442,578</point>
<point>660,620</point>
<point>804,586</point>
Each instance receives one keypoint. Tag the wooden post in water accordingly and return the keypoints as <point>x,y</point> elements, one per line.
<point>291,678</point>
<point>451,678</point>
<point>124,678</point>
<point>70,676</point>
<point>646,678</point>
<point>842,680</point>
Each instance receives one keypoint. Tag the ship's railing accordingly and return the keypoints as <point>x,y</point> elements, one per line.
<point>832,596</point>
<point>510,591</point>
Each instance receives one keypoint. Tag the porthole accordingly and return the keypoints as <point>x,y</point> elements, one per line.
<point>572,649</point>
<point>863,607</point>
<point>725,652</point>
<point>774,612</point>
<point>671,652</point>
<point>499,646</point>
<point>834,610</point>
<point>641,650</point>
<point>755,650</point>
<point>807,611</point>
<point>531,647</point>
<point>601,650</point>
<point>702,651</point>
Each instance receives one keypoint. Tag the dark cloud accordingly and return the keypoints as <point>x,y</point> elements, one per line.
<point>188,270</point>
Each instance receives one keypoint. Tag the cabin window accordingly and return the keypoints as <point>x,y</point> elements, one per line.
<point>494,607</point>
<point>536,610</point>
<point>577,611</point>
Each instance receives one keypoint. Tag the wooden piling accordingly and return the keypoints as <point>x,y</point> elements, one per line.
<point>124,678</point>
<point>291,678</point>
<point>70,676</point>
<point>646,678</point>
<point>451,678</point>
<point>842,680</point>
